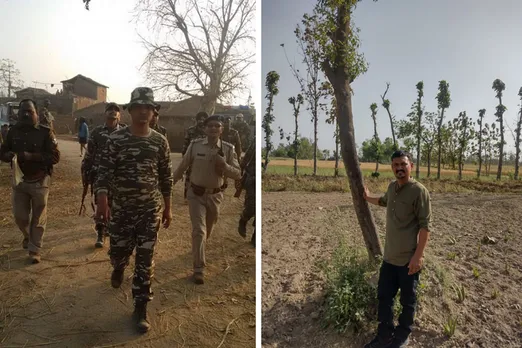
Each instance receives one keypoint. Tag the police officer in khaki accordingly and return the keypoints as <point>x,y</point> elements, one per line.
<point>212,161</point>
<point>36,151</point>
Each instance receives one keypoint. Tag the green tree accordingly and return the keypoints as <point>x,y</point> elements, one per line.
<point>296,105</point>
<point>480,134</point>
<point>331,118</point>
<point>464,134</point>
<point>272,78</point>
<point>377,142</point>
<point>341,62</point>
<point>499,87</point>
<point>386,104</point>
<point>444,102</point>
<point>429,134</point>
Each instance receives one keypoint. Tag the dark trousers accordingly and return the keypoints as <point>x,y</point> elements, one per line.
<point>391,279</point>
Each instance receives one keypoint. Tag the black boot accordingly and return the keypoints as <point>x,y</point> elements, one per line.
<point>117,278</point>
<point>241,229</point>
<point>100,240</point>
<point>140,313</point>
<point>253,240</point>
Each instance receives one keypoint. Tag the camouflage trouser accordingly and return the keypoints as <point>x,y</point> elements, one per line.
<point>249,207</point>
<point>131,229</point>
<point>187,183</point>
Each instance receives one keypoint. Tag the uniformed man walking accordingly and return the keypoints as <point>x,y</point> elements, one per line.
<point>91,161</point>
<point>36,151</point>
<point>230,135</point>
<point>248,166</point>
<point>212,161</point>
<point>408,217</point>
<point>136,165</point>
<point>154,122</point>
<point>46,118</point>
<point>243,129</point>
<point>195,132</point>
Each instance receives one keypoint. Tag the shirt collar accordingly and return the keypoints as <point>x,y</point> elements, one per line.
<point>218,142</point>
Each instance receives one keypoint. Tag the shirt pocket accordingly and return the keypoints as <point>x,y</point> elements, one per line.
<point>403,210</point>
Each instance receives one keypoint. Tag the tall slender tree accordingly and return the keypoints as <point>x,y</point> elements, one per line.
<point>272,78</point>
<point>444,102</point>
<point>429,134</point>
<point>480,134</point>
<point>518,130</point>
<point>386,104</point>
<point>464,133</point>
<point>342,64</point>
<point>296,105</point>
<point>332,119</point>
<point>499,87</point>
<point>420,94</point>
<point>376,141</point>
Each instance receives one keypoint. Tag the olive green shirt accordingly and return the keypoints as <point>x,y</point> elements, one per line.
<point>408,209</point>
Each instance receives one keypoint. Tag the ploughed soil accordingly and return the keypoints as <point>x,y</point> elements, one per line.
<point>300,229</point>
<point>67,299</point>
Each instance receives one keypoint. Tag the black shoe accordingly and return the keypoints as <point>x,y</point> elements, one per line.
<point>399,342</point>
<point>241,229</point>
<point>380,342</point>
<point>117,278</point>
<point>253,239</point>
<point>25,243</point>
<point>140,313</point>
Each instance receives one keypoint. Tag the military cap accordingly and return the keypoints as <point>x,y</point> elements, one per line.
<point>112,104</point>
<point>218,118</point>
<point>142,96</point>
<point>157,109</point>
<point>239,116</point>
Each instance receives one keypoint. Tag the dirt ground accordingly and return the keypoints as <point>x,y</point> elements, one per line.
<point>67,300</point>
<point>300,229</point>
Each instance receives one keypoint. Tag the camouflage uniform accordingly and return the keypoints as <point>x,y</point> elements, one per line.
<point>244,132</point>
<point>248,165</point>
<point>91,162</point>
<point>193,133</point>
<point>135,168</point>
<point>231,136</point>
<point>161,130</point>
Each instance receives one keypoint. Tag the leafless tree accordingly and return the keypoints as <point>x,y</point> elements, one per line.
<point>9,77</point>
<point>199,48</point>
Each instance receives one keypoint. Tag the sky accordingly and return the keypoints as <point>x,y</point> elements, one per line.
<point>51,41</point>
<point>468,43</point>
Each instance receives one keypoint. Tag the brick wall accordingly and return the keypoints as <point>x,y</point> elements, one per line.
<point>84,88</point>
<point>101,94</point>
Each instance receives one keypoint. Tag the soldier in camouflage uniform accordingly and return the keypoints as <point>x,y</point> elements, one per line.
<point>194,132</point>
<point>248,167</point>
<point>243,129</point>
<point>154,123</point>
<point>136,165</point>
<point>91,161</point>
<point>46,118</point>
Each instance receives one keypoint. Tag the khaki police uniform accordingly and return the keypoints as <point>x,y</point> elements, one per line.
<point>205,194</point>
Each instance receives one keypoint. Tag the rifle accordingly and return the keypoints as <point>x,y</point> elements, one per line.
<point>84,194</point>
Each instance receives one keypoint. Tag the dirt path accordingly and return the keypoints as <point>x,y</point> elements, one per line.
<point>300,229</point>
<point>67,300</point>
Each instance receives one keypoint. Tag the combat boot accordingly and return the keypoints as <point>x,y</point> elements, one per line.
<point>101,237</point>
<point>241,229</point>
<point>117,278</point>
<point>140,313</point>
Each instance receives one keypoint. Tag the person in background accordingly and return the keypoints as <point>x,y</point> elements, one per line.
<point>83,135</point>
<point>154,122</point>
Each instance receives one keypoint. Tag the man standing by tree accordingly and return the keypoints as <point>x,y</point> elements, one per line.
<point>195,132</point>
<point>36,151</point>
<point>212,161</point>
<point>408,217</point>
<point>243,129</point>
<point>46,118</point>
<point>91,161</point>
<point>154,122</point>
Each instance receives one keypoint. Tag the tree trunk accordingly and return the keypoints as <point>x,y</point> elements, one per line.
<point>267,139</point>
<point>419,130</point>
<point>480,150</point>
<point>501,147</point>
<point>517,144</point>
<point>460,166</point>
<point>336,170</point>
<point>439,143</point>
<point>315,135</point>
<point>375,138</point>
<point>429,162</point>
<point>343,97</point>
<point>296,147</point>
<point>208,104</point>
<point>392,129</point>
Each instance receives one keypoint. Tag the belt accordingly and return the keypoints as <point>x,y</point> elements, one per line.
<point>207,190</point>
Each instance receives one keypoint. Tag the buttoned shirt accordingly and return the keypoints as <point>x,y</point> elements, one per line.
<point>201,157</point>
